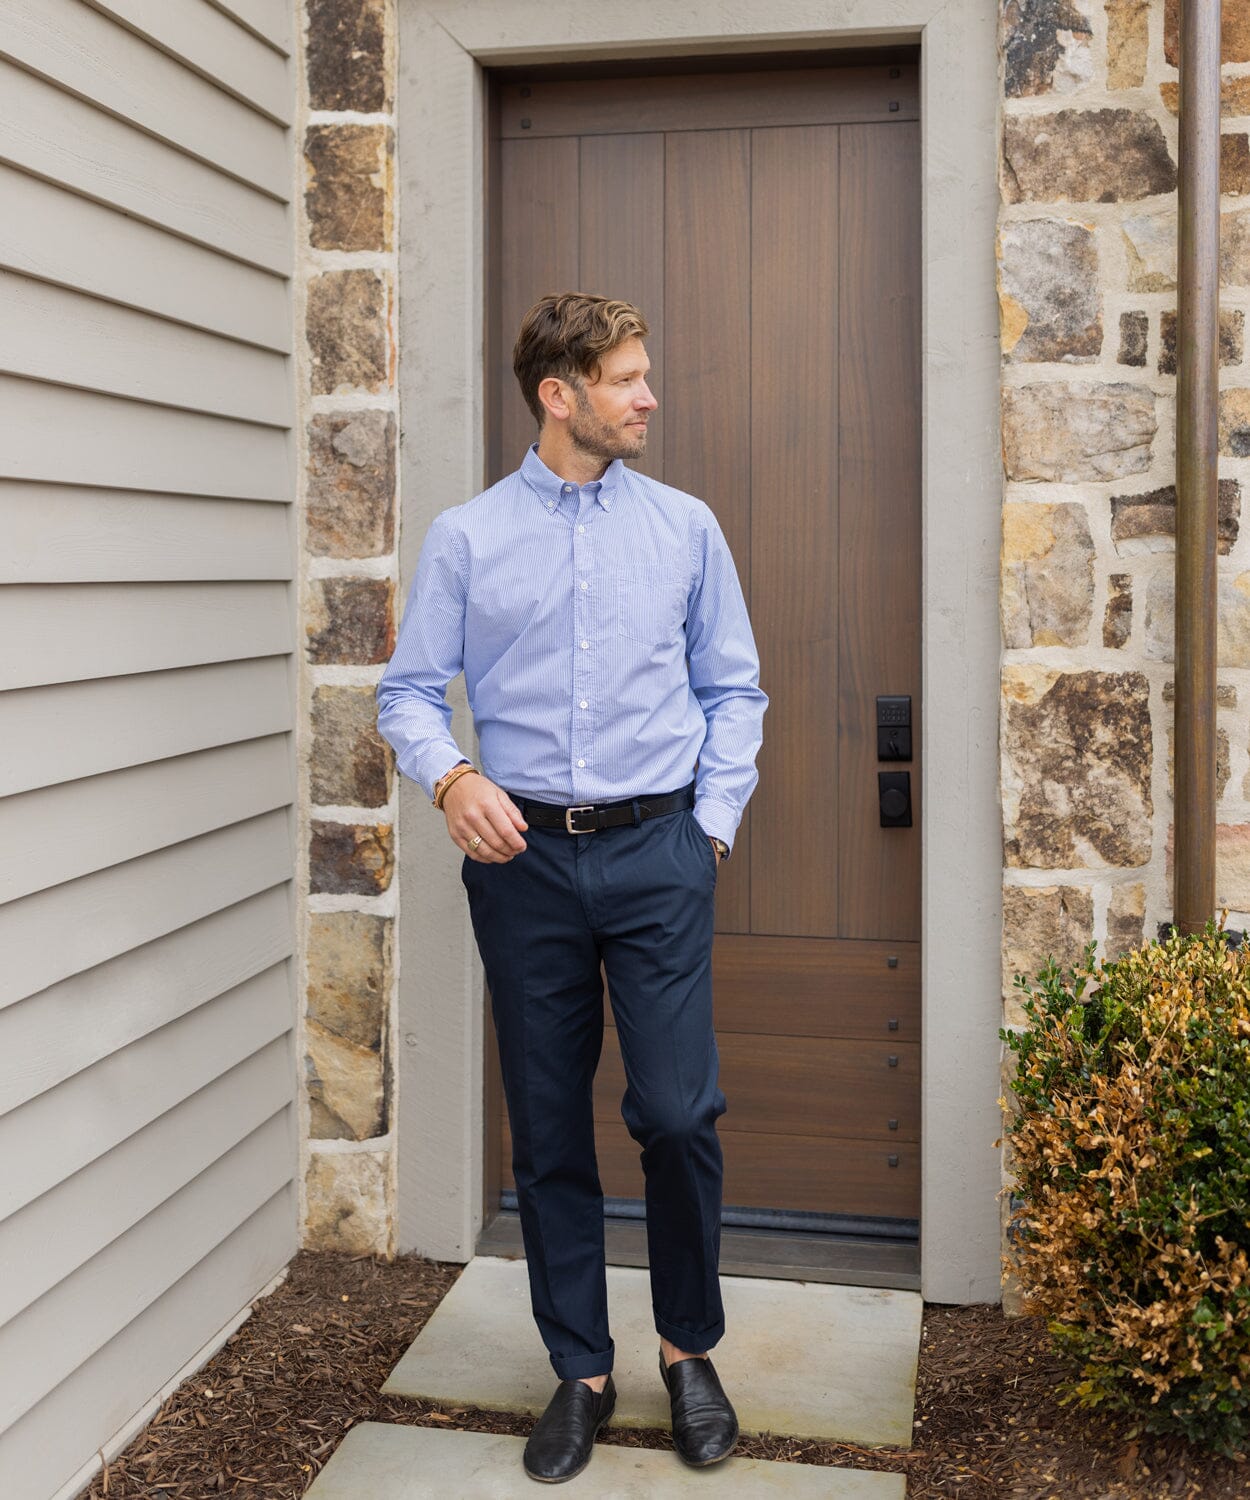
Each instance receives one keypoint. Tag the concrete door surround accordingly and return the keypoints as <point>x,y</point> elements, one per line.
<point>444,47</point>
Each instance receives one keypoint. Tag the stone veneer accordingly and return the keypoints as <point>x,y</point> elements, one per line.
<point>347,288</point>
<point>1087,254</point>
<point>1087,267</point>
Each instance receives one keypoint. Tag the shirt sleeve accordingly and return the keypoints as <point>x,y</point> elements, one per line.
<point>725,677</point>
<point>414,717</point>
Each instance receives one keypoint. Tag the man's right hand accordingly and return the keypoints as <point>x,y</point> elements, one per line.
<point>474,805</point>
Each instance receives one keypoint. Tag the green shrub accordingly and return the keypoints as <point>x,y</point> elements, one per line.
<point>1131,1153</point>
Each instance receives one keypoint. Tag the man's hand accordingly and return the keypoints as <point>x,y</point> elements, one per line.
<point>715,849</point>
<point>474,805</point>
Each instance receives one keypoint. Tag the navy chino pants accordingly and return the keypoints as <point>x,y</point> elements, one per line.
<point>640,898</point>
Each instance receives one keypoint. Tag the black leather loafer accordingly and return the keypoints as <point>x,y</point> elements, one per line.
<point>705,1425</point>
<point>560,1445</point>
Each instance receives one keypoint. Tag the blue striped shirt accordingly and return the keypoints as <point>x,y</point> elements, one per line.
<point>604,641</point>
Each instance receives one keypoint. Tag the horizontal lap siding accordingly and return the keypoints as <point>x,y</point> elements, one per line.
<point>147,691</point>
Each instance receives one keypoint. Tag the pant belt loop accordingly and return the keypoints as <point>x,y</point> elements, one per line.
<point>637,812</point>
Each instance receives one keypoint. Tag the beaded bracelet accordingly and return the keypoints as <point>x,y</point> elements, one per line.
<point>454,774</point>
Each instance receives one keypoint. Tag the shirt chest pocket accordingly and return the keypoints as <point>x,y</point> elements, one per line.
<point>650,607</point>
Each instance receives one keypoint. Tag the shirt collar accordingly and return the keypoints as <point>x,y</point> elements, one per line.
<point>548,486</point>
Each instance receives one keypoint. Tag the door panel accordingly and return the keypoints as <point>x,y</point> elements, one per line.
<point>709,101</point>
<point>830,988</point>
<point>620,201</point>
<point>705,383</point>
<point>768,227</point>
<point>810,1174</point>
<point>795,522</point>
<point>790,1085</point>
<point>536,178</point>
<point>879,516</point>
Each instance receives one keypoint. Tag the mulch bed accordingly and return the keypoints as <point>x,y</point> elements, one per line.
<point>265,1414</point>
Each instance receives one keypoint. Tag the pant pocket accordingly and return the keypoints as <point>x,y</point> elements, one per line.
<point>709,850</point>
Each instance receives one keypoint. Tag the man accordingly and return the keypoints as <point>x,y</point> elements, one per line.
<point>608,657</point>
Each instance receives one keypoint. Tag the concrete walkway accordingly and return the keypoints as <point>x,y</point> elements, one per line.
<point>803,1358</point>
<point>799,1359</point>
<point>379,1461</point>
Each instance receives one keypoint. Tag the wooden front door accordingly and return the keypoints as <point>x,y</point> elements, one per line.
<point>768,226</point>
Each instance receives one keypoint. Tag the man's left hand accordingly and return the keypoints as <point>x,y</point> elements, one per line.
<point>715,850</point>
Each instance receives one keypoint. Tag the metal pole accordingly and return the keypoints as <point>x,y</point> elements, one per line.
<point>1197,462</point>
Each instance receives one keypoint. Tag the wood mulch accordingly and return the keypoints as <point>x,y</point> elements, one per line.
<point>267,1411</point>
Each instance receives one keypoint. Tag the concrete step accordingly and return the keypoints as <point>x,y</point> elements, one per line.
<point>799,1359</point>
<point>380,1461</point>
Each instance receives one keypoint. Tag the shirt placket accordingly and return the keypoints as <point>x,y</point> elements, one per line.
<point>587,640</point>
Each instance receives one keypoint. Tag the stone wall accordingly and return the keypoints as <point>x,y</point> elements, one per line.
<point>347,288</point>
<point>1087,255</point>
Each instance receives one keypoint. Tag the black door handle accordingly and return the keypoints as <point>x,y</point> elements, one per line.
<point>894,794</point>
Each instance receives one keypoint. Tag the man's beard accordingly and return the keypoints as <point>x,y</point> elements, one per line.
<point>600,439</point>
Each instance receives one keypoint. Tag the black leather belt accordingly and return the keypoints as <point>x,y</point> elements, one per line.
<point>587,817</point>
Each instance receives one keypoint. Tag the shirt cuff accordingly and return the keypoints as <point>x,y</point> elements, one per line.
<point>717,819</point>
<point>433,766</point>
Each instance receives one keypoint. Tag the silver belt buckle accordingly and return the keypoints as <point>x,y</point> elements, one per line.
<point>568,817</point>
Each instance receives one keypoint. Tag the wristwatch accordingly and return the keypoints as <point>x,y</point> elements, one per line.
<point>721,845</point>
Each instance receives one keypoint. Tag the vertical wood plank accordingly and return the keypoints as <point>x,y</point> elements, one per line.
<point>539,254</point>
<point>621,202</point>
<point>879,541</point>
<point>707,344</point>
<point>794,525</point>
<point>493,368</point>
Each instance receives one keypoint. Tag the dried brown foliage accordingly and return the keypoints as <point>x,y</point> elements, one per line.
<point>1131,1150</point>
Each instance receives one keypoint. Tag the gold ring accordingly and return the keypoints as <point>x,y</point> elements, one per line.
<point>473,843</point>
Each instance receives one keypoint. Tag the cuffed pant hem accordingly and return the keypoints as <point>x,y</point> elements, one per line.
<point>689,1342</point>
<point>574,1366</point>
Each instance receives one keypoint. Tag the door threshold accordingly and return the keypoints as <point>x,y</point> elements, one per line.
<point>782,1255</point>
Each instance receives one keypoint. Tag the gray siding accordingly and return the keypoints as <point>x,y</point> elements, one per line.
<point>148,1142</point>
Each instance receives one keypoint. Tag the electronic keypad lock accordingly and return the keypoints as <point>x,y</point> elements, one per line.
<point>893,727</point>
<point>894,743</point>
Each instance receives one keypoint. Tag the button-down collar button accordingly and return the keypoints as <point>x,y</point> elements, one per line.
<point>551,504</point>
<point>585,645</point>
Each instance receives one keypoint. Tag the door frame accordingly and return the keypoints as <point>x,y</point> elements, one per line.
<point>444,48</point>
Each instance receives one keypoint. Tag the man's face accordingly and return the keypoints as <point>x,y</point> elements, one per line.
<point>609,416</point>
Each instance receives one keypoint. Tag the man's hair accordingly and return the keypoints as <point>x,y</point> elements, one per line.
<point>566,334</point>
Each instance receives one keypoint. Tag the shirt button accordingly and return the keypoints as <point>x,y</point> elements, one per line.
<point>583,704</point>
<point>585,645</point>
<point>581,528</point>
<point>581,762</point>
<point>585,585</point>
